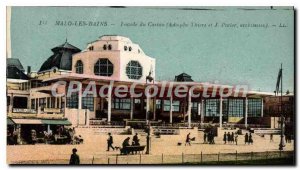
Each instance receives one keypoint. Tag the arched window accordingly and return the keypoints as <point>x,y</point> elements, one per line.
<point>79,67</point>
<point>103,67</point>
<point>130,48</point>
<point>109,47</point>
<point>134,70</point>
<point>104,47</point>
<point>125,48</point>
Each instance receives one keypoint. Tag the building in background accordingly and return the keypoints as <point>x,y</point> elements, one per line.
<point>117,58</point>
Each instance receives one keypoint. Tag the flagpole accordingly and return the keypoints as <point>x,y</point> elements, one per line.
<point>281,116</point>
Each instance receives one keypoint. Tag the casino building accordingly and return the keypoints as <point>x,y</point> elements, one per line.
<point>118,59</point>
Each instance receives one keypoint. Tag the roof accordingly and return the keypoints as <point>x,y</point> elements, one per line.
<point>14,69</point>
<point>14,62</point>
<point>61,59</point>
<point>183,77</point>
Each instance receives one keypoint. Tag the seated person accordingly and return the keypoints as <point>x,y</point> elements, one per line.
<point>124,145</point>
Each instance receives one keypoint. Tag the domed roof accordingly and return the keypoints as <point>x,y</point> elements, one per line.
<point>62,57</point>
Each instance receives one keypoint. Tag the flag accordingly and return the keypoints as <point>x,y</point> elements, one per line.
<point>278,80</point>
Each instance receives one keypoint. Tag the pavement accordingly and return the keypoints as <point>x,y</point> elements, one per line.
<point>94,147</point>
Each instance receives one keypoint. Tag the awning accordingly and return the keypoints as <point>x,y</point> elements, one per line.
<point>10,122</point>
<point>57,122</point>
<point>28,121</point>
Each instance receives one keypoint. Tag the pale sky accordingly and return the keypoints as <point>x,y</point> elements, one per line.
<point>246,56</point>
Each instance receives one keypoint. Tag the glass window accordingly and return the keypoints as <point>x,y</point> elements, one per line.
<point>42,103</point>
<point>109,47</point>
<point>104,47</point>
<point>121,104</point>
<point>103,67</point>
<point>158,104</point>
<point>236,107</point>
<point>72,101</point>
<point>79,67</point>
<point>134,70</point>
<point>254,107</point>
<point>176,106</point>
<point>194,107</point>
<point>32,103</point>
<point>88,102</point>
<point>212,107</point>
<point>130,48</point>
<point>125,48</point>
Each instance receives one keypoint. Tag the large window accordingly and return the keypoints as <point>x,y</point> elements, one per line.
<point>79,67</point>
<point>121,104</point>
<point>236,107</point>
<point>88,102</point>
<point>194,108</point>
<point>167,106</point>
<point>72,101</point>
<point>254,107</point>
<point>134,70</point>
<point>103,67</point>
<point>32,103</point>
<point>212,107</point>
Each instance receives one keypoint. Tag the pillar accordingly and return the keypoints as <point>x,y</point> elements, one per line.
<point>262,108</point>
<point>154,108</point>
<point>202,111</point>
<point>221,112</point>
<point>189,109</point>
<point>171,109</point>
<point>131,107</point>
<point>246,112</point>
<point>109,103</point>
<point>80,97</point>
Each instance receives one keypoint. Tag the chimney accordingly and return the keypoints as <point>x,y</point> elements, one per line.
<point>28,70</point>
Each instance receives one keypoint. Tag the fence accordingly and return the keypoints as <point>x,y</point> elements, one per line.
<point>172,159</point>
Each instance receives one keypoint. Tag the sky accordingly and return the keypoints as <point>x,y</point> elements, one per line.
<point>224,53</point>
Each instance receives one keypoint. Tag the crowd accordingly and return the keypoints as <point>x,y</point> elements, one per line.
<point>209,137</point>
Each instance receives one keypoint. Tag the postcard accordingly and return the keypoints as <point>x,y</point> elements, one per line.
<point>150,85</point>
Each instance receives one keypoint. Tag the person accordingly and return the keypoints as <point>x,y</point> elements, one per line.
<point>15,137</point>
<point>205,136</point>
<point>212,137</point>
<point>33,136</point>
<point>74,159</point>
<point>232,137</point>
<point>250,139</point>
<point>225,138</point>
<point>246,138</point>
<point>135,140</point>
<point>110,142</point>
<point>124,145</point>
<point>228,137</point>
<point>271,137</point>
<point>236,138</point>
<point>188,139</point>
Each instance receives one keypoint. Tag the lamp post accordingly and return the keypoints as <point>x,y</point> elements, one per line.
<point>150,79</point>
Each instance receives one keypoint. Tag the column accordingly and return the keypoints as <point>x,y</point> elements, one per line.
<point>221,110</point>
<point>262,107</point>
<point>154,108</point>
<point>80,97</point>
<point>246,112</point>
<point>171,109</point>
<point>202,111</point>
<point>131,107</point>
<point>147,106</point>
<point>184,109</point>
<point>109,104</point>
<point>189,109</point>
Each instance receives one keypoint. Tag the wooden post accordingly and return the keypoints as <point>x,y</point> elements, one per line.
<point>93,160</point>
<point>162,158</point>
<point>107,160</point>
<point>236,156</point>
<point>140,158</point>
<point>201,156</point>
<point>182,157</point>
<point>116,159</point>
<point>251,155</point>
<point>219,157</point>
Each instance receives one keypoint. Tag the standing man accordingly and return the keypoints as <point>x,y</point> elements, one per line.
<point>271,137</point>
<point>74,159</point>
<point>204,137</point>
<point>110,142</point>
<point>188,139</point>
<point>246,138</point>
<point>225,138</point>
<point>136,140</point>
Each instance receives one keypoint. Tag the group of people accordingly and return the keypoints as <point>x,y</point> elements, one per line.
<point>209,137</point>
<point>248,139</point>
<point>230,138</point>
<point>126,142</point>
<point>12,137</point>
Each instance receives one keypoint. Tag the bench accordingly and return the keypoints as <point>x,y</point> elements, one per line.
<point>132,149</point>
